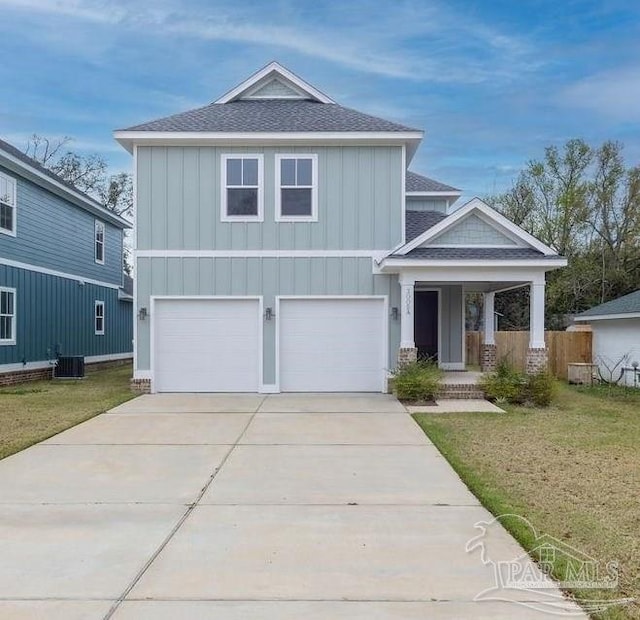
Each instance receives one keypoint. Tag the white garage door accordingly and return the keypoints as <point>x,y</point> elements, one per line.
<point>206,345</point>
<point>332,345</point>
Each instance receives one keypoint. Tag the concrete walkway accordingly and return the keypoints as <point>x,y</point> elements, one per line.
<point>244,507</point>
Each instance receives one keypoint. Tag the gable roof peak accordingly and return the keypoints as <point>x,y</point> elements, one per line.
<point>288,86</point>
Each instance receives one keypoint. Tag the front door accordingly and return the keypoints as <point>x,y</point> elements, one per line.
<point>426,324</point>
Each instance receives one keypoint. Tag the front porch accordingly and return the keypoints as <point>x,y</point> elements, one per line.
<point>437,330</point>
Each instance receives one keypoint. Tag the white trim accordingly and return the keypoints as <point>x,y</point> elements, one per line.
<point>14,219</point>
<point>88,359</point>
<point>385,329</point>
<point>475,204</point>
<point>134,258</point>
<point>463,337</point>
<point>314,187</point>
<point>96,226</point>
<point>220,138</point>
<point>375,254</point>
<point>270,70</point>
<point>86,202</point>
<point>403,197</point>
<point>152,327</point>
<point>59,274</point>
<point>442,194</point>
<point>604,317</point>
<point>393,262</point>
<point>99,304</point>
<point>142,374</point>
<point>268,388</point>
<point>9,342</point>
<point>224,216</point>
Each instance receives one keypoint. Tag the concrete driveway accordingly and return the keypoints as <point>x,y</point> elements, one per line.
<point>244,506</point>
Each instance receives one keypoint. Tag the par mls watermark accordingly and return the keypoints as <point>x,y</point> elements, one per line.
<point>519,580</point>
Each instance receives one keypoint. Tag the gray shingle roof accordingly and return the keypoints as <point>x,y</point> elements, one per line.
<point>473,254</point>
<point>416,222</point>
<point>417,183</point>
<point>271,115</point>
<point>628,304</point>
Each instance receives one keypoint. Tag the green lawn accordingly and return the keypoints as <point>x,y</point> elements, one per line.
<point>572,470</point>
<point>32,412</point>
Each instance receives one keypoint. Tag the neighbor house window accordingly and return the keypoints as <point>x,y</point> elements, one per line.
<point>99,242</point>
<point>99,318</point>
<point>7,316</point>
<point>7,205</point>
<point>296,188</point>
<point>242,188</point>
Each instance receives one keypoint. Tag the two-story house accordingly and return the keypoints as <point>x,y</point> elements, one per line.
<point>62,288</point>
<point>282,244</point>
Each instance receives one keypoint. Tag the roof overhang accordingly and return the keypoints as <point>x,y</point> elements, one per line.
<point>603,317</point>
<point>392,264</point>
<point>441,194</point>
<point>10,162</point>
<point>129,139</point>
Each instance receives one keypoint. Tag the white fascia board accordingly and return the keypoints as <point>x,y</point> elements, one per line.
<point>274,68</point>
<point>441,194</point>
<point>60,189</point>
<point>389,263</point>
<point>475,204</point>
<point>375,254</point>
<point>603,317</point>
<point>202,138</point>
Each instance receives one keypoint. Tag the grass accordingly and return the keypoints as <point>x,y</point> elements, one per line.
<point>32,412</point>
<point>573,470</point>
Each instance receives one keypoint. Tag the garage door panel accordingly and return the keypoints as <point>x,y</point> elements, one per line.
<point>206,345</point>
<point>332,345</point>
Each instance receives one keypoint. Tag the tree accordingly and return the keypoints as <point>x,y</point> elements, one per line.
<point>89,173</point>
<point>585,203</point>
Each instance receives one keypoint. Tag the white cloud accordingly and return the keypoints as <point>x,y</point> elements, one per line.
<point>360,35</point>
<point>613,94</point>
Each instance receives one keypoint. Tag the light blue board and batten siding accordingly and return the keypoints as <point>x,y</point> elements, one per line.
<point>267,277</point>
<point>56,315</point>
<point>359,201</point>
<point>427,204</point>
<point>57,235</point>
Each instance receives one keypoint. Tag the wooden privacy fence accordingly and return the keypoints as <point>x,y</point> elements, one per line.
<point>563,348</point>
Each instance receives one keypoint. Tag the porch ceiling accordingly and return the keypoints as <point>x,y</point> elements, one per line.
<point>475,287</point>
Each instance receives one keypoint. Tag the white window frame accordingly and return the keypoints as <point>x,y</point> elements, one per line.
<point>6,231</point>
<point>12,340</point>
<point>99,304</point>
<point>314,187</point>
<point>224,217</point>
<point>97,225</point>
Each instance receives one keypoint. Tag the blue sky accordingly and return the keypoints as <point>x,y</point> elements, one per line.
<point>492,83</point>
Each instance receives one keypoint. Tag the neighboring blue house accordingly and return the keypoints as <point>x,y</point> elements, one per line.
<point>62,287</point>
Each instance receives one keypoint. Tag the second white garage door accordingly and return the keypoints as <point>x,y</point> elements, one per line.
<point>206,345</point>
<point>332,345</point>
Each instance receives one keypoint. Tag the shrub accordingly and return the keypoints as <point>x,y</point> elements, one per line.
<point>541,388</point>
<point>505,384</point>
<point>417,381</point>
<point>510,385</point>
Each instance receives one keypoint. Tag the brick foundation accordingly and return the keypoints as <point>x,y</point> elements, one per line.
<point>140,386</point>
<point>537,360</point>
<point>16,377</point>
<point>488,357</point>
<point>406,356</point>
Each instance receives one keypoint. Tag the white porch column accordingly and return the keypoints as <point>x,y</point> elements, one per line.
<point>489,319</point>
<point>406,313</point>
<point>536,323</point>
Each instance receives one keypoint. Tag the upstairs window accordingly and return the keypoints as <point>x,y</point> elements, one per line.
<point>7,205</point>
<point>7,316</point>
<point>99,318</point>
<point>242,188</point>
<point>296,188</point>
<point>99,242</point>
